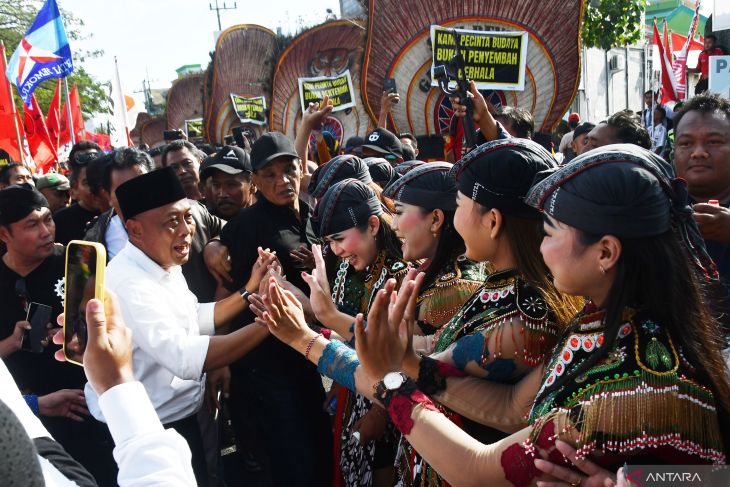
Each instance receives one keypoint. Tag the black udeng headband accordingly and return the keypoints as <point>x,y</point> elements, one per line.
<point>347,204</point>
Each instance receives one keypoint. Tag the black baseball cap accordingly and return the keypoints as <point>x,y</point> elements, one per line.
<point>229,159</point>
<point>353,143</point>
<point>384,141</point>
<point>270,146</point>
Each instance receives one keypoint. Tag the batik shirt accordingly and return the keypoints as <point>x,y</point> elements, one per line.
<point>352,293</point>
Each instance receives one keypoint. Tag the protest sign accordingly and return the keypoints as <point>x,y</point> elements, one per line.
<point>250,110</point>
<point>719,71</point>
<point>337,88</point>
<point>194,128</point>
<point>494,60</point>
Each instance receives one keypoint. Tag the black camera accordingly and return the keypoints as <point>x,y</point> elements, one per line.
<point>453,70</point>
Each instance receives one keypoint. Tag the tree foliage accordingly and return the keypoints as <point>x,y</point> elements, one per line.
<point>16,16</point>
<point>612,23</point>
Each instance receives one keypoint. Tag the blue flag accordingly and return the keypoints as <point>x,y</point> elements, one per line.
<point>43,53</point>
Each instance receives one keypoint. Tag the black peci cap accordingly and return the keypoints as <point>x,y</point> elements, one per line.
<point>18,201</point>
<point>149,191</point>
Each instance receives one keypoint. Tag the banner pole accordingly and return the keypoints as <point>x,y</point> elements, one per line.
<point>21,152</point>
<point>68,111</point>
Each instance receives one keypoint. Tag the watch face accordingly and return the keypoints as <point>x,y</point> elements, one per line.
<point>393,380</point>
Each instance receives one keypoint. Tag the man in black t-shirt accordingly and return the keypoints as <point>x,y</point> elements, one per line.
<point>285,390</point>
<point>32,271</point>
<point>71,222</point>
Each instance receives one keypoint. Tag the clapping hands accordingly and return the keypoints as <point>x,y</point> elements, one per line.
<point>382,347</point>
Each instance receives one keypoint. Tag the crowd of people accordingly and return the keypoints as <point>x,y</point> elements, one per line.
<point>358,317</point>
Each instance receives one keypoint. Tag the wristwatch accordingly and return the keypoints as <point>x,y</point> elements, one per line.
<point>244,294</point>
<point>394,380</point>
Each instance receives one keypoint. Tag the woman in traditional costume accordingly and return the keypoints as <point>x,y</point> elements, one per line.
<point>637,377</point>
<point>365,253</point>
<point>508,325</point>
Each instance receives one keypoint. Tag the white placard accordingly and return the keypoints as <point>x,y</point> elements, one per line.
<point>719,81</point>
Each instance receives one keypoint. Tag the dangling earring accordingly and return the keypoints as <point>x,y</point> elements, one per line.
<point>603,271</point>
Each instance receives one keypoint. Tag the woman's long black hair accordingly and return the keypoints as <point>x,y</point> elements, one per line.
<point>654,275</point>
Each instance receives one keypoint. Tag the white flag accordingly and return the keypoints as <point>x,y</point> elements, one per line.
<point>119,125</point>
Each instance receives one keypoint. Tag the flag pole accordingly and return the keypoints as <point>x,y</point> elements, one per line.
<point>68,111</point>
<point>14,110</point>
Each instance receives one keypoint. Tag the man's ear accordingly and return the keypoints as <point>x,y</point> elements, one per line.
<point>4,233</point>
<point>134,228</point>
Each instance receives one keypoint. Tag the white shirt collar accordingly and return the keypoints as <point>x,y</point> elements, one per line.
<point>149,266</point>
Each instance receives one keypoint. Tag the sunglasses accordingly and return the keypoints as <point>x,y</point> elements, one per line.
<point>85,158</point>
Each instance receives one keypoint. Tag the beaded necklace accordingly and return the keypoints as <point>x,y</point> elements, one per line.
<point>504,296</point>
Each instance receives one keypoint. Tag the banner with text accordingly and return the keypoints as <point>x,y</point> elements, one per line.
<point>719,81</point>
<point>194,128</point>
<point>337,88</point>
<point>250,110</point>
<point>495,60</point>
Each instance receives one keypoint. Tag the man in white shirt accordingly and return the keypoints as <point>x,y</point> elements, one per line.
<point>647,115</point>
<point>173,333</point>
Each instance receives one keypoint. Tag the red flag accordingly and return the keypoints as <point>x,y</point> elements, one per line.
<point>667,41</point>
<point>76,115</point>
<point>669,83</point>
<point>8,136</point>
<point>39,142</point>
<point>102,139</point>
<point>64,134</point>
<point>78,119</point>
<point>680,63</point>
<point>53,120</point>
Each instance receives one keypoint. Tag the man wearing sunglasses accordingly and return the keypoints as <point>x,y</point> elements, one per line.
<point>32,274</point>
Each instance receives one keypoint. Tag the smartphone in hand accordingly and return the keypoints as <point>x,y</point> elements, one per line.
<point>39,315</point>
<point>85,264</point>
<point>389,86</point>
